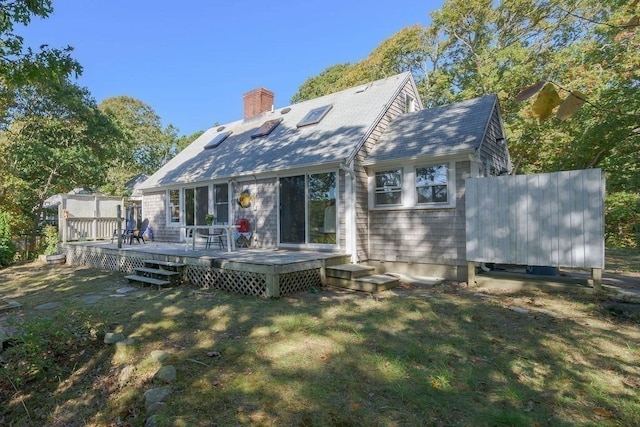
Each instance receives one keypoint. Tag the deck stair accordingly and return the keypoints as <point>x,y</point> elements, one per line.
<point>158,273</point>
<point>358,277</point>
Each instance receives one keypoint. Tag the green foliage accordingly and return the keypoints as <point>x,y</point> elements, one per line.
<point>142,144</point>
<point>21,67</point>
<point>51,239</point>
<point>622,219</point>
<point>324,83</point>
<point>7,248</point>
<point>60,141</point>
<point>42,342</point>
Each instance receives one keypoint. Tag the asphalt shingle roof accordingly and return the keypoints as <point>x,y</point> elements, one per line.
<point>435,131</point>
<point>332,140</point>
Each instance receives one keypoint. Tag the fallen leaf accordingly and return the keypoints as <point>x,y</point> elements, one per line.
<point>528,92</point>
<point>602,412</point>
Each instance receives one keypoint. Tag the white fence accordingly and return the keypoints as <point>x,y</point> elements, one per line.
<point>554,219</point>
<point>82,217</point>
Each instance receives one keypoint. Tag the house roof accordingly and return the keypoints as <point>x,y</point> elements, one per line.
<point>448,129</point>
<point>333,140</point>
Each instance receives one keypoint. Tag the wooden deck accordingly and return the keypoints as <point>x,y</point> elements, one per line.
<point>259,272</point>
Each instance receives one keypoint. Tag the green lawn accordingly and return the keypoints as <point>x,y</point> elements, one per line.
<point>427,356</point>
<point>620,260</point>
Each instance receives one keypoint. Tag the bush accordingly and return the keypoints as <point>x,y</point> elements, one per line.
<point>622,220</point>
<point>50,240</point>
<point>7,248</point>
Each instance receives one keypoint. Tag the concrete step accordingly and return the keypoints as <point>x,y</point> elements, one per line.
<point>373,283</point>
<point>349,271</point>
<point>148,280</point>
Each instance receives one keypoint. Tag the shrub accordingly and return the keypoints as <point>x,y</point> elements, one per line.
<point>50,240</point>
<point>622,220</point>
<point>7,248</point>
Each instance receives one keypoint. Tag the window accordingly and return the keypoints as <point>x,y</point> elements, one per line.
<point>266,128</point>
<point>409,104</point>
<point>388,187</point>
<point>221,192</point>
<point>174,206</point>
<point>217,140</point>
<point>314,116</point>
<point>431,184</point>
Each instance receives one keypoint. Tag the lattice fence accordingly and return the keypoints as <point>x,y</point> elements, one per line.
<point>299,281</point>
<point>239,282</point>
<point>102,260</point>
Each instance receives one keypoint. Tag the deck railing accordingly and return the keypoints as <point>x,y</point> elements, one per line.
<point>85,229</point>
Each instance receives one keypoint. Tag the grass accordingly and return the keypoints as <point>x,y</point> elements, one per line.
<point>623,259</point>
<point>431,356</point>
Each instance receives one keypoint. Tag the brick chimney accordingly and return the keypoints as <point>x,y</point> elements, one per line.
<point>257,101</point>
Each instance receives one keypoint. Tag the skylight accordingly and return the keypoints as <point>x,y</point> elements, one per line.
<point>266,128</point>
<point>217,140</point>
<point>314,116</point>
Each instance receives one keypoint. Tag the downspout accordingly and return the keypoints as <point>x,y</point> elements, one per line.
<point>254,236</point>
<point>349,197</point>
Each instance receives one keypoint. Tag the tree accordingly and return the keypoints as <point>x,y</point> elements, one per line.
<point>143,146</point>
<point>20,66</point>
<point>586,52</point>
<point>60,141</point>
<point>410,49</point>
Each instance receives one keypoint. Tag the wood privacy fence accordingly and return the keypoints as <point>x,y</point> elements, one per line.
<point>552,219</point>
<point>83,217</point>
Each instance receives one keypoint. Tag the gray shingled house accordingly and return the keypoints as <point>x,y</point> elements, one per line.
<point>365,171</point>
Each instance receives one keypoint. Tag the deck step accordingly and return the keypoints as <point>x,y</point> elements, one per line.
<point>372,283</point>
<point>168,264</point>
<point>349,271</point>
<point>157,271</point>
<point>148,280</point>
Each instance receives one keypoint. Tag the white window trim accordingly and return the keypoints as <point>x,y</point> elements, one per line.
<point>403,187</point>
<point>451,182</point>
<point>409,194</point>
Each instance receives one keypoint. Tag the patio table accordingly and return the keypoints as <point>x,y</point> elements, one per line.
<point>229,229</point>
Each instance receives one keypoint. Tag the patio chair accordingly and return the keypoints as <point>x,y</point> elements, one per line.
<point>213,237</point>
<point>128,231</point>
<point>139,234</point>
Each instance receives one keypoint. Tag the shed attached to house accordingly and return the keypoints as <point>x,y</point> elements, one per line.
<point>364,171</point>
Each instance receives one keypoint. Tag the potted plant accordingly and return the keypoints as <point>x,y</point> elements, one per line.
<point>209,218</point>
<point>51,255</point>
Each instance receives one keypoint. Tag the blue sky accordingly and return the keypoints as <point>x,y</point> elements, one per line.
<point>192,61</point>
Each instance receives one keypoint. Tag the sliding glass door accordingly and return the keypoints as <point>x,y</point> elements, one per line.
<point>292,209</point>
<point>196,205</point>
<point>308,209</point>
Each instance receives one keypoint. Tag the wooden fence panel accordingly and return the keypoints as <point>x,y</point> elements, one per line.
<point>554,219</point>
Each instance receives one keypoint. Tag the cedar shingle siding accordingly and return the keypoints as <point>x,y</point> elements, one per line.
<point>365,129</point>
